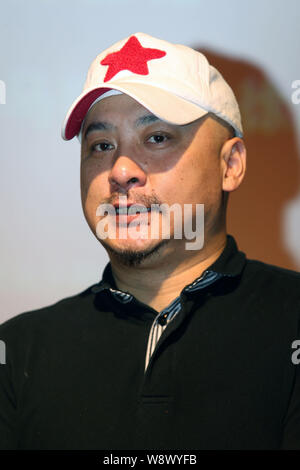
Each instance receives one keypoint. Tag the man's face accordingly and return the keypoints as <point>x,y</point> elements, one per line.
<point>127,151</point>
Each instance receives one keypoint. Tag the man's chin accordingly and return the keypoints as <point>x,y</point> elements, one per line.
<point>133,252</point>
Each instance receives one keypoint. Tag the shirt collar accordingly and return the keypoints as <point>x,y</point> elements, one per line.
<point>230,263</point>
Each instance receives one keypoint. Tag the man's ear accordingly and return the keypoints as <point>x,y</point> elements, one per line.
<point>233,160</point>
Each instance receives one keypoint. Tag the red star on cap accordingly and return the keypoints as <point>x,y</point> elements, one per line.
<point>133,56</point>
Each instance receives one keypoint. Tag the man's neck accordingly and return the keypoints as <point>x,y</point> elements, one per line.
<point>156,285</point>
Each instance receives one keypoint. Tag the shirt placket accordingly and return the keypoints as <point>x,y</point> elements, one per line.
<point>165,316</point>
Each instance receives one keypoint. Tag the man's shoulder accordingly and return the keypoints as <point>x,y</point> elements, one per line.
<point>272,277</point>
<point>56,313</point>
<point>258,266</point>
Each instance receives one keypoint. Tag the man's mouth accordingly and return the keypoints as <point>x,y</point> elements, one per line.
<point>133,209</point>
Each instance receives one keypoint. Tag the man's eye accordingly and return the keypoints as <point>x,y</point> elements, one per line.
<point>158,138</point>
<point>102,147</point>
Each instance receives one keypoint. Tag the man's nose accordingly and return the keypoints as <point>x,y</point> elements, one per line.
<point>126,174</point>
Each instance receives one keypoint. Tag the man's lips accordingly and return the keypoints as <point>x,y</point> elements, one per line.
<point>131,209</point>
<point>125,214</point>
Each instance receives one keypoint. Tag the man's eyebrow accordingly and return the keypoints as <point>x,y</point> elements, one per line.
<point>98,126</point>
<point>146,119</point>
<point>107,126</point>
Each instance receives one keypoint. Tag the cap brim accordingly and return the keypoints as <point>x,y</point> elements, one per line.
<point>160,102</point>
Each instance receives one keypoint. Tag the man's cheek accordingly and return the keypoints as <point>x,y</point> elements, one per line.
<point>85,182</point>
<point>89,200</point>
<point>89,184</point>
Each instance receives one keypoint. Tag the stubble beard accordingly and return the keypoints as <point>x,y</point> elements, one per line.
<point>133,258</point>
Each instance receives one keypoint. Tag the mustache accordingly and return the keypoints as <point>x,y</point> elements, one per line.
<point>143,199</point>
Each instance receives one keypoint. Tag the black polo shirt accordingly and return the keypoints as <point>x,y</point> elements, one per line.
<point>164,317</point>
<point>220,375</point>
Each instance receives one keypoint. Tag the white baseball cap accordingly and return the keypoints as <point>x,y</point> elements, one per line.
<point>174,82</point>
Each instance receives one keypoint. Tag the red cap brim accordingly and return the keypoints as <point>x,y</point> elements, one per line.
<point>78,113</point>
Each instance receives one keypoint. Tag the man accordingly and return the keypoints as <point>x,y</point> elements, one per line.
<point>183,344</point>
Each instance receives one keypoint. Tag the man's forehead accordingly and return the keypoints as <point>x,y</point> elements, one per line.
<point>94,124</point>
<point>104,114</point>
<point>108,113</point>
<point>120,102</point>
